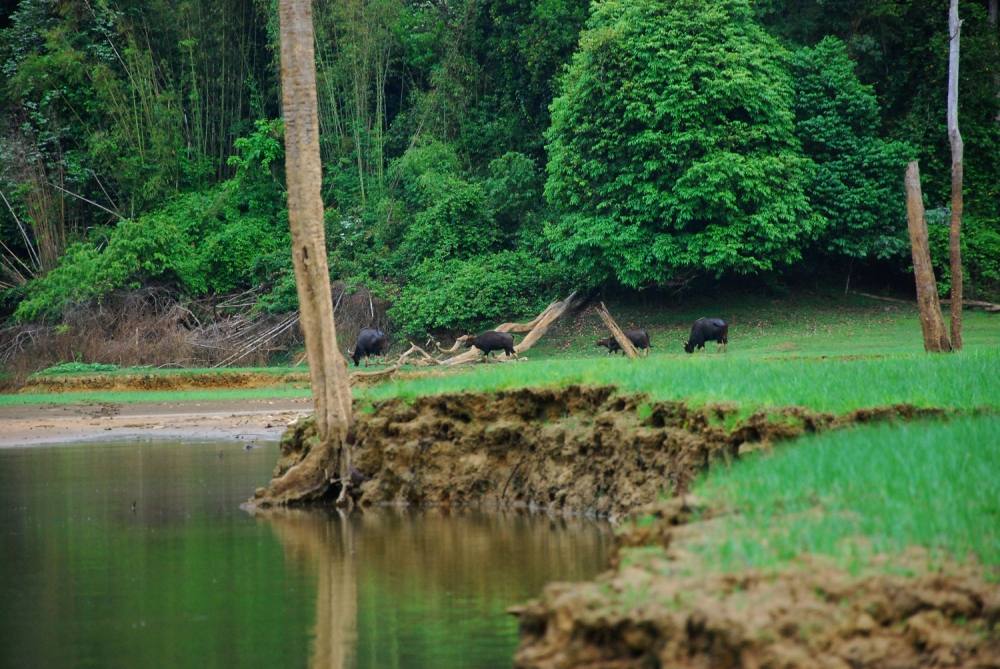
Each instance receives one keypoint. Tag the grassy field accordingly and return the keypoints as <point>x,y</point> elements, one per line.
<point>830,353</point>
<point>858,493</point>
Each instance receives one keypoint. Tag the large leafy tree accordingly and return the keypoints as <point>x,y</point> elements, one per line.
<point>855,182</point>
<point>672,147</point>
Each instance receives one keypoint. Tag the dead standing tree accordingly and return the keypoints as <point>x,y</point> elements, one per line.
<point>931,321</point>
<point>957,148</point>
<point>311,477</point>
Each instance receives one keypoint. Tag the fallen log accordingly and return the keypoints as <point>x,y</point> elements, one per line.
<point>540,326</point>
<point>616,332</point>
<point>989,307</point>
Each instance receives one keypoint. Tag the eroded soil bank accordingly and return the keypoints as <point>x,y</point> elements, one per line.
<point>589,450</point>
<point>575,449</point>
<point>659,608</point>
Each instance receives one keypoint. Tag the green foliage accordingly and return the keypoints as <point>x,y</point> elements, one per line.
<point>448,214</point>
<point>980,254</point>
<point>234,236</point>
<point>856,182</point>
<point>473,293</point>
<point>901,48</point>
<point>672,146</point>
<point>514,192</point>
<point>455,225</point>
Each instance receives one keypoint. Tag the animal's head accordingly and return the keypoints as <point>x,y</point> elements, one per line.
<point>606,342</point>
<point>689,347</point>
<point>356,356</point>
<point>469,339</point>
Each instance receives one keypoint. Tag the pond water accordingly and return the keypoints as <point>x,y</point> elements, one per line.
<point>137,555</point>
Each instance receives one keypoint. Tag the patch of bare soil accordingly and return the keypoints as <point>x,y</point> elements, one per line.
<point>576,449</point>
<point>659,608</point>
<point>246,420</point>
<point>162,381</point>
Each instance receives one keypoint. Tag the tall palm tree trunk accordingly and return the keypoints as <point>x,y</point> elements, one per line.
<point>313,476</point>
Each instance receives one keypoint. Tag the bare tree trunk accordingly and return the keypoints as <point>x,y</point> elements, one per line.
<point>327,368</point>
<point>955,137</point>
<point>931,321</point>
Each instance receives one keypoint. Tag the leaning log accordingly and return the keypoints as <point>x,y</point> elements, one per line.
<point>624,342</point>
<point>540,326</point>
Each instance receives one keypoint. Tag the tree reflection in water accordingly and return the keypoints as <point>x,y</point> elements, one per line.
<point>405,588</point>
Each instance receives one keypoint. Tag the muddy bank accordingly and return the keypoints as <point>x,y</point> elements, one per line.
<point>245,420</point>
<point>577,449</point>
<point>814,616</point>
<point>659,607</point>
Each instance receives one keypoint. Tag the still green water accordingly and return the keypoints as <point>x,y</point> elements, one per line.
<point>187,579</point>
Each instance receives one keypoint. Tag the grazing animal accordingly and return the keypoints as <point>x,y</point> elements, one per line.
<point>492,341</point>
<point>639,339</point>
<point>371,341</point>
<point>707,329</point>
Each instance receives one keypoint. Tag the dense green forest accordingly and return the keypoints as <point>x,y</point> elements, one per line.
<point>482,156</point>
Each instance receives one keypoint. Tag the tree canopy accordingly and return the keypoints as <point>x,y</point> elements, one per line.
<point>515,148</point>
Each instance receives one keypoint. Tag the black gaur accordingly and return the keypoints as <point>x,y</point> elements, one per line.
<point>371,341</point>
<point>639,339</point>
<point>492,340</point>
<point>707,329</point>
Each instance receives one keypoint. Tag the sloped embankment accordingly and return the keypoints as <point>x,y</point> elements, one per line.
<point>575,449</point>
<point>659,607</point>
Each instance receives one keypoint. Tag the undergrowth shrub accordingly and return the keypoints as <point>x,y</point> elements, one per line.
<point>230,237</point>
<point>473,293</point>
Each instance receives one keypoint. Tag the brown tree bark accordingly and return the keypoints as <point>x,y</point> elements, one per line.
<point>957,148</point>
<point>327,368</point>
<point>624,342</point>
<point>931,321</point>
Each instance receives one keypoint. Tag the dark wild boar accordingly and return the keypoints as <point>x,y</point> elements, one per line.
<point>639,339</point>
<point>371,341</point>
<point>707,329</point>
<point>492,341</point>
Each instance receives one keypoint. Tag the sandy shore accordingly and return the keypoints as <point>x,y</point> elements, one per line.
<point>246,420</point>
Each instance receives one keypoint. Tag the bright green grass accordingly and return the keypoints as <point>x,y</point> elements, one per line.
<point>968,380</point>
<point>855,493</point>
<point>809,325</point>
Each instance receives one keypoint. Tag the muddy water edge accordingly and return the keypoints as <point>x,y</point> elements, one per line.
<point>593,451</point>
